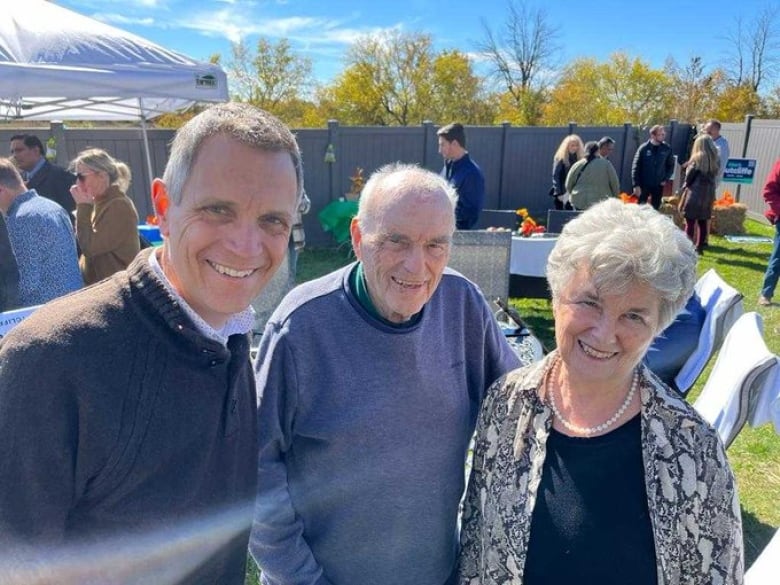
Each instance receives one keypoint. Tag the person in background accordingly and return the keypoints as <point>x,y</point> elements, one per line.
<point>128,429</point>
<point>42,238</point>
<point>9,271</point>
<point>106,219</point>
<point>587,468</point>
<point>652,167</point>
<point>570,150</point>
<point>463,174</point>
<point>591,179</point>
<point>371,380</point>
<point>48,180</point>
<point>606,146</point>
<point>701,173</point>
<point>772,198</point>
<point>712,127</point>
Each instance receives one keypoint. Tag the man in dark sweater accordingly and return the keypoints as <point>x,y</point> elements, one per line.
<point>46,178</point>
<point>128,436</point>
<point>653,166</point>
<point>463,174</point>
<point>372,378</point>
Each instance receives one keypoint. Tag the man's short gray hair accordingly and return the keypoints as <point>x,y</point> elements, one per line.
<point>624,244</point>
<point>246,124</point>
<point>393,180</point>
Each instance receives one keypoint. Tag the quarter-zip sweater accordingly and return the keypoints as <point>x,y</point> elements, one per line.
<point>122,425</point>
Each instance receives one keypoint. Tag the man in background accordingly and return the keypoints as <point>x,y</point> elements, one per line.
<point>463,174</point>
<point>652,168</point>
<point>371,379</point>
<point>128,429</point>
<point>606,146</point>
<point>41,235</point>
<point>712,127</point>
<point>46,178</point>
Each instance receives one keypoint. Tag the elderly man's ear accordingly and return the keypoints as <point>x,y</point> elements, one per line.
<point>160,202</point>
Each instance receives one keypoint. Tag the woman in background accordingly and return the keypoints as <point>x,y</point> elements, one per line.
<point>106,219</point>
<point>591,179</point>
<point>569,152</point>
<point>701,173</point>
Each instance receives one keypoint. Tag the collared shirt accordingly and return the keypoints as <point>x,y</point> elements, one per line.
<point>31,173</point>
<point>237,323</point>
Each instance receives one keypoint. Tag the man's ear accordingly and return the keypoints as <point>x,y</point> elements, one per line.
<point>357,236</point>
<point>161,202</point>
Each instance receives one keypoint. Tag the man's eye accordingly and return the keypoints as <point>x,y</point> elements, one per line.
<point>217,209</point>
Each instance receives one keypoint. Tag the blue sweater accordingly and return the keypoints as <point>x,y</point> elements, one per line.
<point>364,430</point>
<point>469,182</point>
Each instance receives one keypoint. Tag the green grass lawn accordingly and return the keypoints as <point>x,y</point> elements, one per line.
<point>755,454</point>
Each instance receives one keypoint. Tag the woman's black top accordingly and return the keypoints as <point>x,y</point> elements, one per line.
<point>591,522</point>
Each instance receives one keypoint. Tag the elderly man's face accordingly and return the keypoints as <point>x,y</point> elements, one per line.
<point>404,253</point>
<point>24,156</point>
<point>229,234</point>
<point>601,337</point>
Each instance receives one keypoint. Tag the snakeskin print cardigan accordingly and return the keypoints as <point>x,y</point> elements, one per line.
<point>691,492</point>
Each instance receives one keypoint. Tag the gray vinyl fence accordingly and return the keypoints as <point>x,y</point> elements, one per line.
<point>516,161</point>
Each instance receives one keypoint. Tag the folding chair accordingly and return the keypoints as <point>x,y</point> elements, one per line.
<point>743,369</point>
<point>483,258</point>
<point>723,304</point>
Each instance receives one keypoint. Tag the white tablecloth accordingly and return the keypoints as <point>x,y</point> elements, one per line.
<point>529,255</point>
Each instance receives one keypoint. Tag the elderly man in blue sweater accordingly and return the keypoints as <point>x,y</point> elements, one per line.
<point>372,378</point>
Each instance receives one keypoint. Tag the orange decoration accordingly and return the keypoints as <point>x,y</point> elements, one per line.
<point>626,198</point>
<point>726,200</point>
<point>151,219</point>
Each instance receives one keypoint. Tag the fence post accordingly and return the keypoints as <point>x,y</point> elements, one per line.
<point>748,126</point>
<point>333,132</point>
<point>626,132</point>
<point>57,130</point>
<point>502,165</point>
<point>572,128</point>
<point>426,126</point>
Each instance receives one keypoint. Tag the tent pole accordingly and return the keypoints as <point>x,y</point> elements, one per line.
<point>148,155</point>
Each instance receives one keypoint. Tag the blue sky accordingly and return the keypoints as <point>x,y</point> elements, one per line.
<point>324,29</point>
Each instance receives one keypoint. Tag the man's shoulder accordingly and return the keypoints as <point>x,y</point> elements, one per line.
<point>57,171</point>
<point>312,292</point>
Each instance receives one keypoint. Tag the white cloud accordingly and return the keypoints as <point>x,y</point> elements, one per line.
<point>112,18</point>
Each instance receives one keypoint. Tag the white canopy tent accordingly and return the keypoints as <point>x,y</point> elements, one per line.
<point>56,64</point>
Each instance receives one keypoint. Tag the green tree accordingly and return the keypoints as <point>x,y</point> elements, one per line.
<point>387,80</point>
<point>271,77</point>
<point>695,91</point>
<point>621,90</point>
<point>458,94</point>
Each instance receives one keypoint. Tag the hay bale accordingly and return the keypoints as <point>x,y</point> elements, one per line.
<point>669,207</point>
<point>729,219</point>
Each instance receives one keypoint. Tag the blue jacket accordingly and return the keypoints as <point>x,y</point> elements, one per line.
<point>469,182</point>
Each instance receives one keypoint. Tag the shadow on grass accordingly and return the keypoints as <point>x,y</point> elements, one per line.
<point>756,535</point>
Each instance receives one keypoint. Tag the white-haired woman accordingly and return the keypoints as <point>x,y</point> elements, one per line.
<point>106,219</point>
<point>588,469</point>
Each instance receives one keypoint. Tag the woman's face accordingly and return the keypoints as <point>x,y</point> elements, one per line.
<point>573,146</point>
<point>602,336</point>
<point>93,182</point>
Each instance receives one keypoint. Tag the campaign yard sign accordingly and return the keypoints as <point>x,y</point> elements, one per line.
<point>11,318</point>
<point>740,170</point>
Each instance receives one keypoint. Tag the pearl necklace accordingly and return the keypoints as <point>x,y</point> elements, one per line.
<point>598,428</point>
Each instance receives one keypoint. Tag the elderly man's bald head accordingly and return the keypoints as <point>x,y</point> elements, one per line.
<point>398,182</point>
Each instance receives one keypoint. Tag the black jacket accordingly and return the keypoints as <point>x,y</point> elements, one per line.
<point>653,164</point>
<point>54,183</point>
